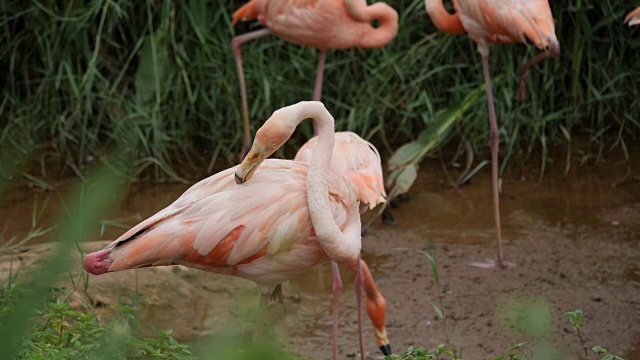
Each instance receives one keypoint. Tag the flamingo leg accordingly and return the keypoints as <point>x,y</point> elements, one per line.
<point>552,51</point>
<point>337,288</point>
<point>317,88</point>
<point>237,53</point>
<point>495,142</point>
<point>262,315</point>
<point>359,281</point>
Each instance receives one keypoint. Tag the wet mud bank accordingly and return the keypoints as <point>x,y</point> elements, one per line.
<point>574,240</point>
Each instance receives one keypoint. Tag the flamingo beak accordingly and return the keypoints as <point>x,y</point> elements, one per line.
<point>249,165</point>
<point>386,349</point>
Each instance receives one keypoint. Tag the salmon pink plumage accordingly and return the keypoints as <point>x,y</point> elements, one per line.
<point>322,24</point>
<point>499,21</point>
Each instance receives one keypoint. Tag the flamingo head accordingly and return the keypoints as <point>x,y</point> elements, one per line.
<point>269,138</point>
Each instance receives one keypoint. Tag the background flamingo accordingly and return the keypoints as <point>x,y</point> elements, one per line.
<point>499,21</point>
<point>323,24</point>
<point>633,18</point>
<point>257,231</point>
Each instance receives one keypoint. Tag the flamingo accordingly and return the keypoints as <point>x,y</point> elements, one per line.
<point>633,18</point>
<point>288,218</point>
<point>360,161</point>
<point>322,24</point>
<point>499,21</point>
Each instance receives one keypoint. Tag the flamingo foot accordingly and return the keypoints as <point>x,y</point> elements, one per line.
<point>387,217</point>
<point>491,264</point>
<point>95,262</point>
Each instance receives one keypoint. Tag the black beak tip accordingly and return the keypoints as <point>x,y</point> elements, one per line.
<point>239,180</point>
<point>386,349</point>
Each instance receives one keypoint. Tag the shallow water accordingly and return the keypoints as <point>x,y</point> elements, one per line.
<point>583,226</point>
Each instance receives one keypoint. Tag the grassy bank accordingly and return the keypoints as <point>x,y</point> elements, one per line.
<point>157,80</point>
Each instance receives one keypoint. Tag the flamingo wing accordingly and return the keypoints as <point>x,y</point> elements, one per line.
<point>633,18</point>
<point>269,8</point>
<point>508,21</point>
<point>219,226</point>
<point>321,24</point>
<point>359,160</point>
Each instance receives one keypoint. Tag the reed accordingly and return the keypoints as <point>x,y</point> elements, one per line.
<point>156,79</point>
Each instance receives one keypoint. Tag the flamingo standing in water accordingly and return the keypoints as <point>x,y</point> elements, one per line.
<point>360,161</point>
<point>499,21</point>
<point>633,18</point>
<point>289,217</point>
<point>322,24</point>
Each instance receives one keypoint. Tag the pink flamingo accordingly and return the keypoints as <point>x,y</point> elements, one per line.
<point>322,24</point>
<point>499,21</point>
<point>633,18</point>
<point>360,161</point>
<point>289,217</point>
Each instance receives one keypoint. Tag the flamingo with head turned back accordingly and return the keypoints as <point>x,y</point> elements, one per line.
<point>499,21</point>
<point>322,24</point>
<point>633,18</point>
<point>289,217</point>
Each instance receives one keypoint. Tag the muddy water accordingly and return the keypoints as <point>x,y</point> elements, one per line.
<point>574,240</point>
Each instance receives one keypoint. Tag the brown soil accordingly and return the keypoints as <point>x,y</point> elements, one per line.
<point>574,240</point>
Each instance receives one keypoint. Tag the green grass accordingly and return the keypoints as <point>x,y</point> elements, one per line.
<point>157,80</point>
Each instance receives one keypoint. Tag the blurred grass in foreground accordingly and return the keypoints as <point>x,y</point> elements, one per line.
<point>157,80</point>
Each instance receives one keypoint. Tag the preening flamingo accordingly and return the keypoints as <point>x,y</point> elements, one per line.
<point>322,24</point>
<point>633,18</point>
<point>289,217</point>
<point>499,21</point>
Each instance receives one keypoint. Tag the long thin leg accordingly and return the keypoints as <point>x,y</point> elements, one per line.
<point>376,307</point>
<point>317,89</point>
<point>337,287</point>
<point>552,51</point>
<point>359,281</point>
<point>495,142</point>
<point>260,320</point>
<point>237,53</point>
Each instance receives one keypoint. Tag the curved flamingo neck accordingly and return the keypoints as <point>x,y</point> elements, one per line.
<point>339,247</point>
<point>388,17</point>
<point>441,18</point>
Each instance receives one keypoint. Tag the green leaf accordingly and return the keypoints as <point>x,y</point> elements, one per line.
<point>575,318</point>
<point>612,357</point>
<point>391,178</point>
<point>516,346</point>
<point>439,127</point>
<point>405,179</point>
<point>599,349</point>
<point>437,309</point>
<point>435,134</point>
<point>406,154</point>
